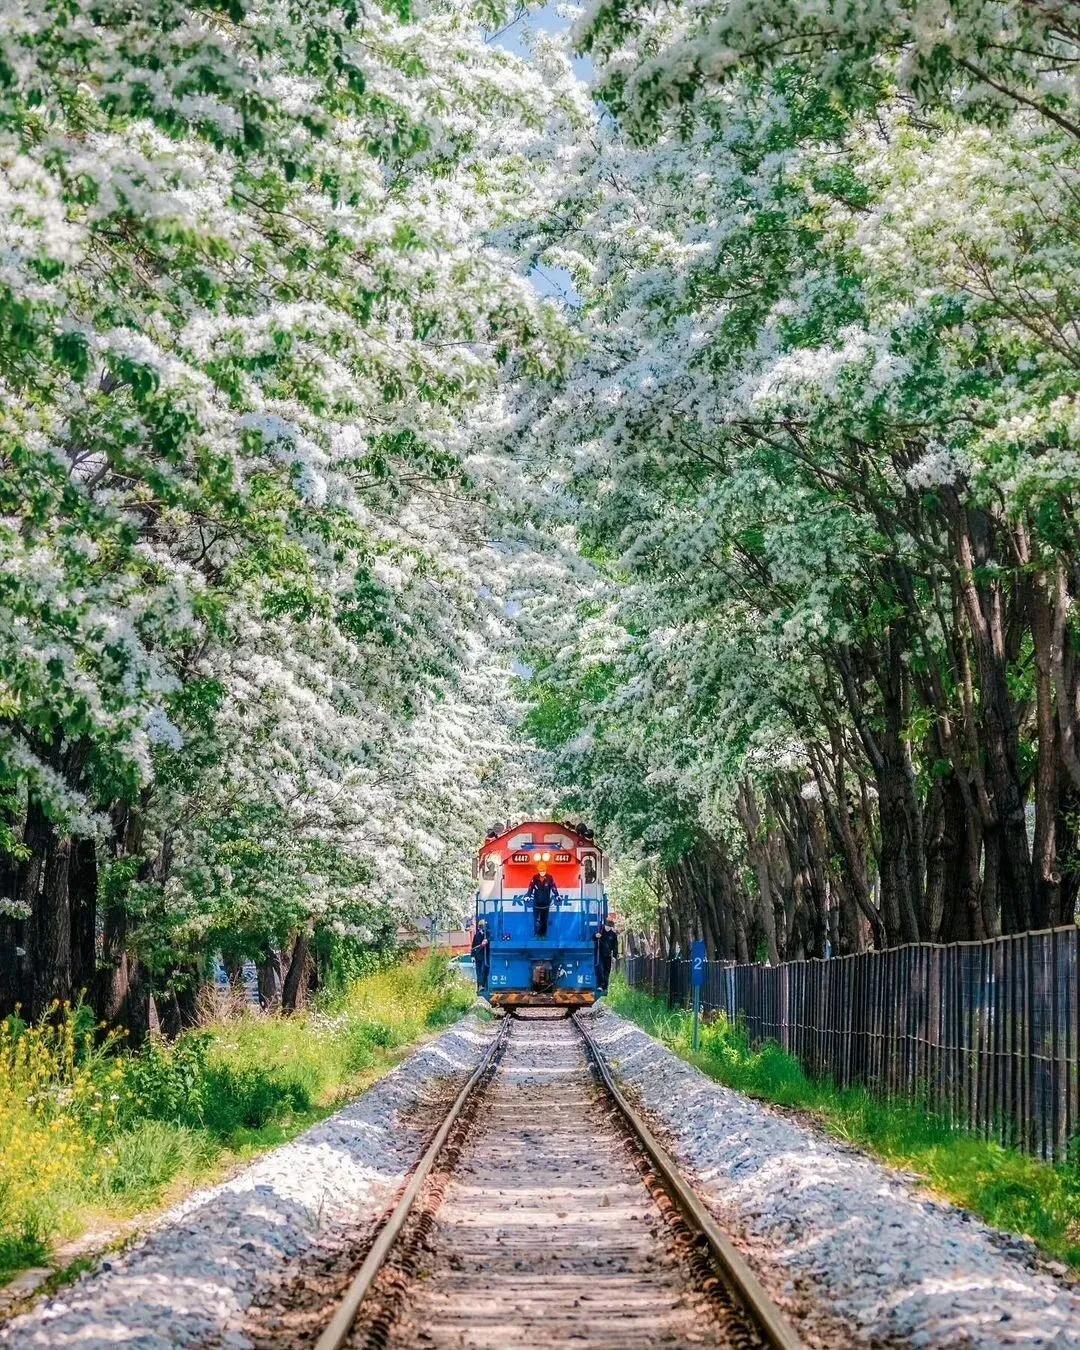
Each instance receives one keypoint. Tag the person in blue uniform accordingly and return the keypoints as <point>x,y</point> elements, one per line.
<point>607,951</point>
<point>481,954</point>
<point>542,891</point>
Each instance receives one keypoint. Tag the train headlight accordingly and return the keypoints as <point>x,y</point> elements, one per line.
<point>545,857</point>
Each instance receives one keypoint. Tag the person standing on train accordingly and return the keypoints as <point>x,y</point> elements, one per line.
<point>542,891</point>
<point>607,951</point>
<point>481,954</point>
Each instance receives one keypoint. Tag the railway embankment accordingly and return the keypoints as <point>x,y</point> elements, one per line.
<point>827,1227</point>
<point>97,1141</point>
<point>193,1278</point>
<point>540,1216</point>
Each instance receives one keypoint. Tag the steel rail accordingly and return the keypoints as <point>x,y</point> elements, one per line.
<point>766,1315</point>
<point>340,1325</point>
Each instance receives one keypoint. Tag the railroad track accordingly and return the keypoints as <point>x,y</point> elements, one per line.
<point>544,1211</point>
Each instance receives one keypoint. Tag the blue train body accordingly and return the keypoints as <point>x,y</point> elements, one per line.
<point>558,969</point>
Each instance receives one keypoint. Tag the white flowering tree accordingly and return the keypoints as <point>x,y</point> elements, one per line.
<point>249,294</point>
<point>783,509</point>
<point>822,444</point>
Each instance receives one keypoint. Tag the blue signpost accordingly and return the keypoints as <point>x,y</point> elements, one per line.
<point>697,981</point>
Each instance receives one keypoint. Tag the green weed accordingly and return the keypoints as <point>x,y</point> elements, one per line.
<point>144,1160</point>
<point>20,1251</point>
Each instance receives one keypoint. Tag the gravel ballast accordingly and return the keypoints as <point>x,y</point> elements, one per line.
<point>545,1235</point>
<point>827,1225</point>
<point>191,1279</point>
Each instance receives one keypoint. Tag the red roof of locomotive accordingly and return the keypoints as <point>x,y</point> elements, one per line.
<point>527,826</point>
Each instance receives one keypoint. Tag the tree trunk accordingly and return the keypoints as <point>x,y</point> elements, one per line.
<point>10,984</point>
<point>901,862</point>
<point>1046,911</point>
<point>122,989</point>
<point>168,1011</point>
<point>663,921</point>
<point>746,806</point>
<point>1066,678</point>
<point>940,848</point>
<point>991,907</point>
<point>845,925</point>
<point>177,1003</point>
<point>681,911</point>
<point>11,938</point>
<point>985,608</point>
<point>1068,855</point>
<point>294,987</point>
<point>127,998</point>
<point>269,980</point>
<point>893,849</point>
<point>701,866</point>
<point>82,893</point>
<point>49,931</point>
<point>953,848</point>
<point>817,871</point>
<point>187,998</point>
<point>37,836</point>
<point>839,817</point>
<point>136,1012</point>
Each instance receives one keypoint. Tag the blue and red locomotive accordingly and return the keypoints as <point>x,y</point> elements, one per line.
<point>556,969</point>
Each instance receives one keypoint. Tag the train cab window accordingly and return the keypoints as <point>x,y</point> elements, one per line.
<point>490,869</point>
<point>589,869</point>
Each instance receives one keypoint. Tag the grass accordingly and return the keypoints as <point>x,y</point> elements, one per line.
<point>90,1135</point>
<point>1003,1186</point>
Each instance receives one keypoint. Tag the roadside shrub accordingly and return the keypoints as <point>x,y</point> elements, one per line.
<point>58,1069</point>
<point>87,1127</point>
<point>60,1096</point>
<point>442,1014</point>
<point>168,1082</point>
<point>245,1097</point>
<point>19,1250</point>
<point>359,1054</point>
<point>43,1165</point>
<point>396,1005</point>
<point>375,1033</point>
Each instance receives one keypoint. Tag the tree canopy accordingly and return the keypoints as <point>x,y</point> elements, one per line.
<point>326,539</point>
<point>251,294</point>
<point>820,447</point>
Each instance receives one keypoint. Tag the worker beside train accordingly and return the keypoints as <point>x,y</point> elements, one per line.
<point>481,954</point>
<point>542,891</point>
<point>606,949</point>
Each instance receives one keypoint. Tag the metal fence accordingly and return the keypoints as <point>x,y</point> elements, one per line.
<point>985,1032</point>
